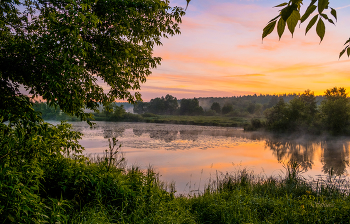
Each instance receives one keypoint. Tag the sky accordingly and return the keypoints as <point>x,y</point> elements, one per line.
<point>220,53</point>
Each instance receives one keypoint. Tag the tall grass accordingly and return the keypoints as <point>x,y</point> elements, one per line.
<point>49,186</point>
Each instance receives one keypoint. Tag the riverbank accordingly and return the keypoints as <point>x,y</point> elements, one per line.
<point>117,195</point>
<point>241,197</point>
<point>54,183</point>
<point>222,121</point>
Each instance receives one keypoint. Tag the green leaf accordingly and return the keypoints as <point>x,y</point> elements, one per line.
<point>348,52</point>
<point>341,53</point>
<point>282,4</point>
<point>286,12</point>
<point>293,21</point>
<point>274,19</point>
<point>312,2</point>
<point>334,13</point>
<point>188,2</point>
<point>331,21</point>
<point>324,16</point>
<point>308,12</point>
<point>322,4</point>
<point>268,29</point>
<point>320,29</point>
<point>311,23</point>
<point>281,25</point>
<point>347,41</point>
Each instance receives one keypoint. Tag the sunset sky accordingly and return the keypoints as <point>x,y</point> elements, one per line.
<point>220,53</point>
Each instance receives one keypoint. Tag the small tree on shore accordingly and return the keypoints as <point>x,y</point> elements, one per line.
<point>216,107</point>
<point>335,110</point>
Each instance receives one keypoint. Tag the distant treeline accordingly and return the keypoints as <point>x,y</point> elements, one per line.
<point>240,106</point>
<point>169,105</point>
<point>280,113</point>
<point>303,114</point>
<point>52,113</point>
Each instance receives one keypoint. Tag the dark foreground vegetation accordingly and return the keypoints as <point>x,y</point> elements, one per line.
<point>45,179</point>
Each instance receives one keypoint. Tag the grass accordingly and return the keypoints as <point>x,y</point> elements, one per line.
<point>199,120</point>
<point>38,185</point>
<point>240,197</point>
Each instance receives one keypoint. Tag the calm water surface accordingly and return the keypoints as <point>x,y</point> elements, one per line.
<point>191,155</point>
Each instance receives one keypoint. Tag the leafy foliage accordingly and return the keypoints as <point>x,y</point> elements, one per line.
<point>290,15</point>
<point>335,110</point>
<point>216,107</point>
<point>302,113</point>
<point>27,151</point>
<point>164,105</point>
<point>227,108</point>
<point>61,50</point>
<point>190,107</point>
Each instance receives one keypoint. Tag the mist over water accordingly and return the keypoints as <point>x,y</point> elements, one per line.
<point>192,155</point>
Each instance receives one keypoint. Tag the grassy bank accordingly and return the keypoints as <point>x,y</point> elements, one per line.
<point>199,120</point>
<point>241,197</point>
<point>223,121</point>
<point>43,185</point>
<point>118,114</point>
<point>44,178</point>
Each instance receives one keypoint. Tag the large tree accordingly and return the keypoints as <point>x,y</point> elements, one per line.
<point>66,51</point>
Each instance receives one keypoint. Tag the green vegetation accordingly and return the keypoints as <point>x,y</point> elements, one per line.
<point>223,121</point>
<point>163,105</point>
<point>239,106</point>
<point>216,107</point>
<point>63,51</point>
<point>116,113</point>
<point>290,16</point>
<point>303,114</point>
<point>60,185</point>
<point>190,107</point>
<point>59,50</point>
<point>52,113</point>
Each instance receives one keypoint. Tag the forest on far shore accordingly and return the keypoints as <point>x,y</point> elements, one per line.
<point>278,113</point>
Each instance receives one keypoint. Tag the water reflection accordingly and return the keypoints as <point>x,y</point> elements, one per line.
<point>335,158</point>
<point>190,135</point>
<point>114,132</point>
<point>334,152</point>
<point>292,150</point>
<point>329,154</point>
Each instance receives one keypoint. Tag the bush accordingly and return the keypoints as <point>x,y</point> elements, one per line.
<point>216,107</point>
<point>149,115</point>
<point>132,117</point>
<point>210,113</point>
<point>254,125</point>
<point>227,108</point>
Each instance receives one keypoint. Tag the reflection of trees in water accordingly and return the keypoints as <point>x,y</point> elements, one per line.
<point>335,151</point>
<point>113,132</point>
<point>139,132</point>
<point>335,157</point>
<point>190,135</point>
<point>300,152</point>
<point>165,135</point>
<point>193,134</point>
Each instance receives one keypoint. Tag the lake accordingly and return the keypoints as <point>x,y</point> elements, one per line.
<point>191,155</point>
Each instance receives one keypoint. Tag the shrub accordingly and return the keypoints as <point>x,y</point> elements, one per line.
<point>227,108</point>
<point>210,113</point>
